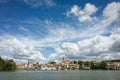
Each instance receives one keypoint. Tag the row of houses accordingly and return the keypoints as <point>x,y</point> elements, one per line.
<point>113,64</point>
<point>29,66</point>
<point>66,65</point>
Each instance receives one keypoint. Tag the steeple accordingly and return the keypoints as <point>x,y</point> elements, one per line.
<point>63,59</point>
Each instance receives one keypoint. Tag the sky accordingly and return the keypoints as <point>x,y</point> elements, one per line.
<point>48,30</point>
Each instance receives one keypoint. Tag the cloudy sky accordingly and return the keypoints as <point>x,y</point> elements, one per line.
<point>48,30</point>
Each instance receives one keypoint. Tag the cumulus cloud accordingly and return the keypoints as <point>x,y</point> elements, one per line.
<point>87,13</point>
<point>39,3</point>
<point>78,41</point>
<point>66,50</point>
<point>84,14</point>
<point>111,13</point>
<point>17,50</point>
<point>95,48</point>
<point>115,36</point>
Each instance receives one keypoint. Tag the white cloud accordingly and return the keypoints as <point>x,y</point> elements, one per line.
<point>85,14</point>
<point>67,33</point>
<point>39,3</point>
<point>95,45</point>
<point>111,13</point>
<point>89,43</point>
<point>17,50</point>
<point>74,10</point>
<point>95,48</point>
<point>66,49</point>
<point>23,29</point>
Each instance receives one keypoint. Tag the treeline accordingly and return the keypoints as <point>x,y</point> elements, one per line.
<point>102,65</point>
<point>7,65</point>
<point>93,65</point>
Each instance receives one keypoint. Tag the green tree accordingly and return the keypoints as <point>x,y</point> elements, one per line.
<point>92,66</point>
<point>2,64</point>
<point>87,63</point>
<point>95,66</point>
<point>52,62</point>
<point>10,65</point>
<point>74,62</point>
<point>80,63</point>
<point>103,65</point>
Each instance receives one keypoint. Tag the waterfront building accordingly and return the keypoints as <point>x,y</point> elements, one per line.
<point>68,65</point>
<point>48,67</point>
<point>113,64</point>
<point>21,66</point>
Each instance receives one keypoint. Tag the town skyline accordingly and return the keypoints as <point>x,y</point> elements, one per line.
<point>48,30</point>
<point>65,64</point>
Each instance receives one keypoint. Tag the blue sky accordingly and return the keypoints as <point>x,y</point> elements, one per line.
<point>48,30</point>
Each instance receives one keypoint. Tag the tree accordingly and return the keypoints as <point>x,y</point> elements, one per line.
<point>80,63</point>
<point>103,65</point>
<point>52,62</point>
<point>97,66</point>
<point>8,65</point>
<point>92,66</point>
<point>74,62</point>
<point>2,64</point>
<point>87,63</point>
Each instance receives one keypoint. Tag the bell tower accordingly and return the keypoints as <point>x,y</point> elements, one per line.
<point>63,59</point>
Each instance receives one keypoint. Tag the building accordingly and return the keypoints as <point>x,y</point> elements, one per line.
<point>29,66</point>
<point>113,64</point>
<point>21,66</point>
<point>48,67</point>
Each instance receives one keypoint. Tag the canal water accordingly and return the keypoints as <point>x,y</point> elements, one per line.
<point>61,75</point>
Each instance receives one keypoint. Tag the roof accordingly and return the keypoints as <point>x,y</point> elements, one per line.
<point>113,61</point>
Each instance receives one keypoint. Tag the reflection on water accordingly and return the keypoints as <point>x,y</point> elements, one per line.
<point>60,75</point>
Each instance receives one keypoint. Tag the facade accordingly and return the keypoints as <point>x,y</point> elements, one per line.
<point>67,65</point>
<point>29,66</point>
<point>48,67</point>
<point>21,66</point>
<point>113,64</point>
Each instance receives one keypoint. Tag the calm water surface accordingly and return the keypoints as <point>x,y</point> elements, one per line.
<point>60,75</point>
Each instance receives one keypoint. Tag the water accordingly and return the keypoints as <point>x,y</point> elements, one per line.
<point>60,75</point>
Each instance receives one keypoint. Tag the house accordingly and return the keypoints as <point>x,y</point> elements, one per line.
<point>113,64</point>
<point>73,66</point>
<point>30,65</point>
<point>48,67</point>
<point>21,66</point>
